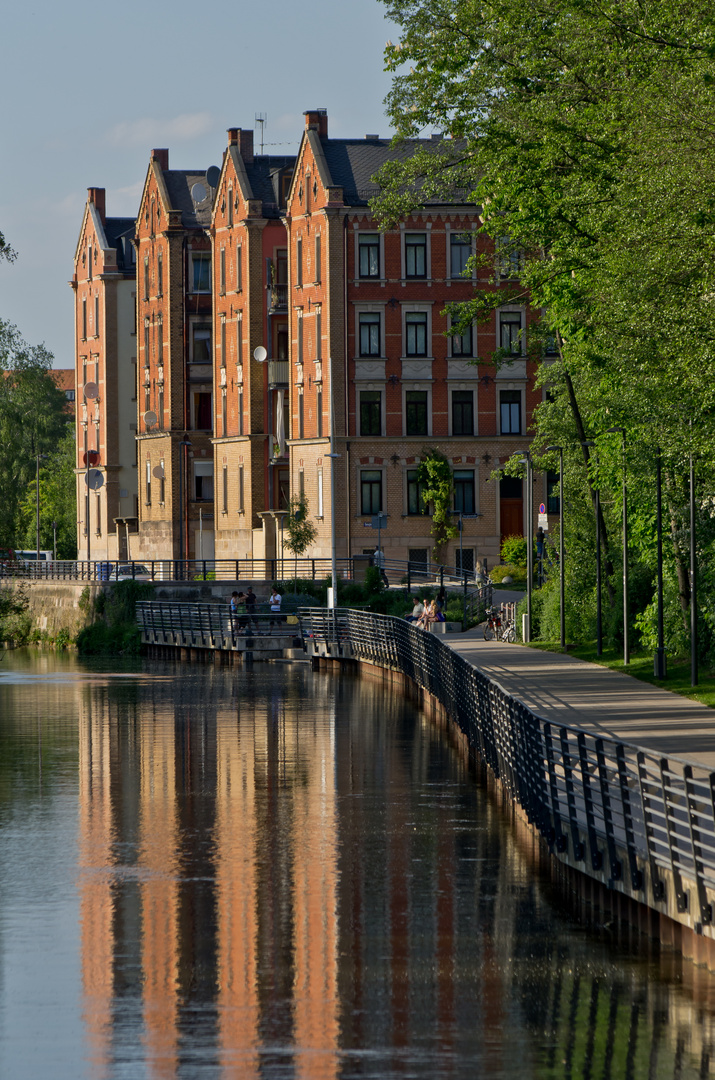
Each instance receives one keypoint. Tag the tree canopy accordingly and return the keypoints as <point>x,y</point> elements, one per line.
<point>32,421</point>
<point>586,134</point>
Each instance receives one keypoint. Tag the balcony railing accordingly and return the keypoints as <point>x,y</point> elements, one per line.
<point>277,373</point>
<point>278,297</point>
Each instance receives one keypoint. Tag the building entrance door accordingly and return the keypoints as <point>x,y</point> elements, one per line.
<point>511,506</point>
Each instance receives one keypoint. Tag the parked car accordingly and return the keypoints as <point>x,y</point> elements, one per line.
<point>131,571</point>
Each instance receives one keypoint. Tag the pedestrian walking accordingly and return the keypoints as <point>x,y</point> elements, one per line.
<point>274,602</point>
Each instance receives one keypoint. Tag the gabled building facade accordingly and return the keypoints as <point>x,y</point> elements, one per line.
<point>370,342</point>
<point>104,285</point>
<point>175,363</point>
<point>250,266</point>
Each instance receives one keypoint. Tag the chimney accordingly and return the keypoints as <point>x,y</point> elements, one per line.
<point>161,157</point>
<point>245,145</point>
<point>317,120</point>
<point>233,136</point>
<point>97,199</point>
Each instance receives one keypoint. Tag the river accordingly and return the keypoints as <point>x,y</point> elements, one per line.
<point>212,872</point>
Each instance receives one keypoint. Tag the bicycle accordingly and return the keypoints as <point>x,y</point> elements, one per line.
<point>492,627</point>
<point>509,631</point>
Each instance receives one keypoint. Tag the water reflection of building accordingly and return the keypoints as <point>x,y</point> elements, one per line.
<point>281,872</point>
<point>214,826</point>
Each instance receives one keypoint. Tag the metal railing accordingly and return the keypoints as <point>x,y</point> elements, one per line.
<point>624,812</point>
<point>277,569</point>
<point>211,626</point>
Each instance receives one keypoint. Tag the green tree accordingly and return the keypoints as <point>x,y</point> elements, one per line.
<point>301,531</point>
<point>57,502</point>
<point>585,134</point>
<point>32,421</point>
<point>434,475</point>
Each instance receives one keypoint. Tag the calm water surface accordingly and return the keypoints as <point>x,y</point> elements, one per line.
<point>218,873</point>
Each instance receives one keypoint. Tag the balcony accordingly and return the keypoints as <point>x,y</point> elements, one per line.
<point>278,298</point>
<point>277,373</point>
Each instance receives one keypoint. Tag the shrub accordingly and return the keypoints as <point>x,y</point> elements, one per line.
<point>513,550</point>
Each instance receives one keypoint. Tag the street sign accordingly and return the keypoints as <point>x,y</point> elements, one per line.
<point>542,508</point>
<point>379,521</point>
<point>543,522</point>
<point>90,457</point>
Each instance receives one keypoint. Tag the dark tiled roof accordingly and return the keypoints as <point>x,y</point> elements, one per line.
<point>354,162</point>
<point>263,177</point>
<point>118,232</point>
<point>179,183</point>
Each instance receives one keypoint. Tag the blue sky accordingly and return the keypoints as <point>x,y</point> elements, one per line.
<point>89,88</point>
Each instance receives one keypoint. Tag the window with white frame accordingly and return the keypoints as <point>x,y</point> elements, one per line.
<point>462,343</point>
<point>511,339</point>
<point>415,255</point>
<point>460,250</point>
<point>416,333</point>
<point>369,333</point>
<point>370,412</point>
<point>510,412</point>
<point>369,255</point>
<point>200,272</point>
<point>416,412</point>
<point>463,412</point>
<point>464,501</point>
<point>370,491</point>
<point>416,505</point>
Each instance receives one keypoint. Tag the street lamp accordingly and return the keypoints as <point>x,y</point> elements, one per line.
<point>562,590</point>
<point>183,447</point>
<point>39,457</point>
<point>599,619</point>
<point>693,582</point>
<point>626,648</point>
<point>525,455</point>
<point>659,663</point>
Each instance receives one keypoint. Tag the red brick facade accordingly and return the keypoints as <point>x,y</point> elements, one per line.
<point>274,294</point>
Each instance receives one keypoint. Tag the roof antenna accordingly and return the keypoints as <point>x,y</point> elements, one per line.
<point>262,119</point>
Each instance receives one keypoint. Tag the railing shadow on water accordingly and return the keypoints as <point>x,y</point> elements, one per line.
<point>638,822</point>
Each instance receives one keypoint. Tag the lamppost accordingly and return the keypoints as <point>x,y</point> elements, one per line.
<point>54,540</point>
<point>659,662</point>
<point>38,457</point>
<point>626,646</point>
<point>525,455</point>
<point>562,591</point>
<point>693,582</point>
<point>183,447</point>
<point>599,618</point>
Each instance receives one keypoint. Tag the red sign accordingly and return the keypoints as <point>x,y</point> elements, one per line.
<point>90,457</point>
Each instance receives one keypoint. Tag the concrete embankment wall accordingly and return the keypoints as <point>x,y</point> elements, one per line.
<point>67,605</point>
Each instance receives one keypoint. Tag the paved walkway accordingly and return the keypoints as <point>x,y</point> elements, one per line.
<point>570,691</point>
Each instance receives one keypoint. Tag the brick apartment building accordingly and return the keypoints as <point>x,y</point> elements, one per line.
<point>175,363</point>
<point>368,335</point>
<point>267,300</point>
<point>250,267</point>
<point>104,285</point>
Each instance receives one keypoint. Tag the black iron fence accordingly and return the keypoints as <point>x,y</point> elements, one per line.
<point>212,626</point>
<point>278,569</point>
<point>623,812</point>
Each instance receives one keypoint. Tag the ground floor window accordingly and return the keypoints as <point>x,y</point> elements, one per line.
<point>370,491</point>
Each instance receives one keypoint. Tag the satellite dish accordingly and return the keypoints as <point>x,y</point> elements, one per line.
<point>260,354</point>
<point>94,479</point>
<point>150,418</point>
<point>158,472</point>
<point>198,193</point>
<point>91,391</point>
<point>212,175</point>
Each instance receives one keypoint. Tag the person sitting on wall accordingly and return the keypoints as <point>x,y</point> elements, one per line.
<point>251,600</point>
<point>426,618</point>
<point>241,612</point>
<point>417,610</point>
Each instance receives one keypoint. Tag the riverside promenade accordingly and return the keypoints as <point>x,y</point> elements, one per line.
<point>565,690</point>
